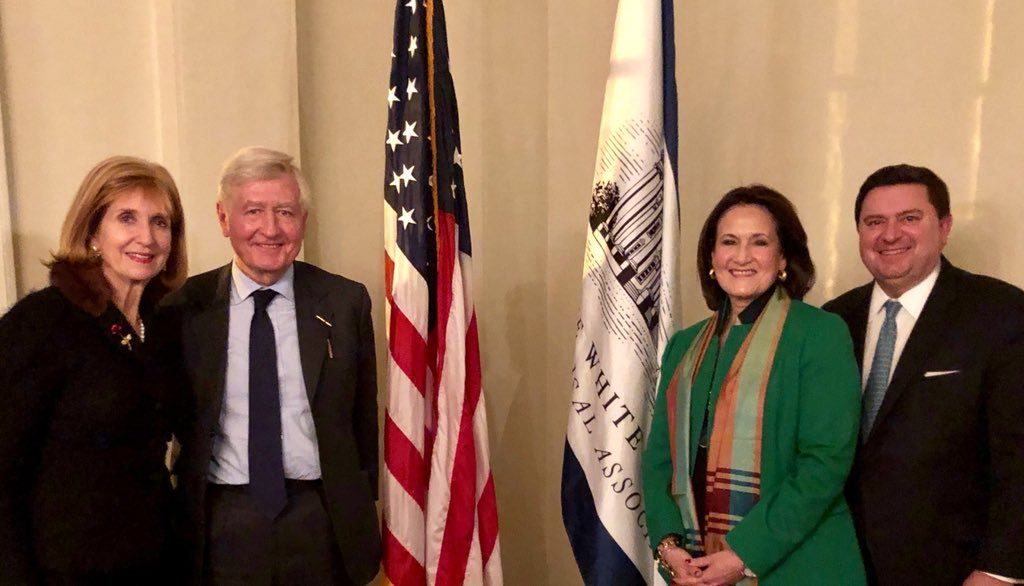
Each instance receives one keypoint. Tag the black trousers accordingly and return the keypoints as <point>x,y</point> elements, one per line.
<point>155,575</point>
<point>245,548</point>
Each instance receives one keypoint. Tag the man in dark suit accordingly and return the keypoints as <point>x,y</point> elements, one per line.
<point>278,470</point>
<point>937,489</point>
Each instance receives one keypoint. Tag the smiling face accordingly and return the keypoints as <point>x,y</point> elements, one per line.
<point>901,236</point>
<point>266,223</point>
<point>133,238</point>
<point>747,256</point>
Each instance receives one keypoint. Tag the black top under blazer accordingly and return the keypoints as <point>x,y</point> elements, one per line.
<point>83,432</point>
<point>342,390</point>
<point>937,488</point>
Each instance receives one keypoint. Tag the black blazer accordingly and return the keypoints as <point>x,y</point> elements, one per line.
<point>342,395</point>
<point>83,432</point>
<point>937,488</point>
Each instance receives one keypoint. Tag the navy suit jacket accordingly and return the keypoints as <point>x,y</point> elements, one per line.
<point>937,488</point>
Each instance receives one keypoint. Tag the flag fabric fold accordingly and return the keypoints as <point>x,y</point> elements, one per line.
<point>629,304</point>
<point>440,521</point>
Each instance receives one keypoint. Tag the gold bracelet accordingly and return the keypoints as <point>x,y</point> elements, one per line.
<point>667,542</point>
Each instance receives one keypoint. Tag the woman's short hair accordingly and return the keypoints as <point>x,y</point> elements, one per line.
<point>791,234</point>
<point>256,163</point>
<point>102,185</point>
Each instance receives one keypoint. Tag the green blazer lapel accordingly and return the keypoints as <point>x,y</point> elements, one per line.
<point>313,319</point>
<point>210,328</point>
<point>927,331</point>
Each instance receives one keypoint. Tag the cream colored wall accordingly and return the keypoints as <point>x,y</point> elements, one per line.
<point>843,88</point>
<point>177,81</point>
<point>234,65</point>
<point>78,85</point>
<point>809,97</point>
<point>8,275</point>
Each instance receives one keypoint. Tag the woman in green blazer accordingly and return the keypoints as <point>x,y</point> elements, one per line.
<point>756,420</point>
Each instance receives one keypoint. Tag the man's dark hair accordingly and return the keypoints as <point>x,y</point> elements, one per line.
<point>938,193</point>
<point>791,234</point>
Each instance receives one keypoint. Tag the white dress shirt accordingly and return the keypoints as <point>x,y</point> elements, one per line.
<point>230,461</point>
<point>911,304</point>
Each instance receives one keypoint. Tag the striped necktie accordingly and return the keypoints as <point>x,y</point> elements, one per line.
<point>881,365</point>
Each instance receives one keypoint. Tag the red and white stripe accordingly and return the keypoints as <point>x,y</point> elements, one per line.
<point>440,515</point>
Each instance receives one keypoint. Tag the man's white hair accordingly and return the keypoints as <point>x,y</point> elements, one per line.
<point>256,163</point>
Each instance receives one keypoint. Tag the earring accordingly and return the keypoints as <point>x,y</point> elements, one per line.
<point>711,274</point>
<point>782,275</point>
<point>95,251</point>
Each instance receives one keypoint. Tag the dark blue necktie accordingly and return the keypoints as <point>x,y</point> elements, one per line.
<point>266,466</point>
<point>881,365</point>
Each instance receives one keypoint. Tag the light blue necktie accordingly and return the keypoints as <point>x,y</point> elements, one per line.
<point>881,364</point>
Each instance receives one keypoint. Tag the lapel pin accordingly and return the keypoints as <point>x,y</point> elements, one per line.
<point>330,349</point>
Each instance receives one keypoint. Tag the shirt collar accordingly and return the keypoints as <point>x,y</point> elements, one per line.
<point>913,300</point>
<point>242,286</point>
<point>751,312</point>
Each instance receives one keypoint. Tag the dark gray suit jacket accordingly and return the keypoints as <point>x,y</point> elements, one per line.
<point>342,395</point>
<point>937,488</point>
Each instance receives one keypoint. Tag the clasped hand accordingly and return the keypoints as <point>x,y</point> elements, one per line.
<point>724,567</point>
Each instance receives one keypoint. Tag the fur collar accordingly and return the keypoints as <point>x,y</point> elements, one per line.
<point>83,283</point>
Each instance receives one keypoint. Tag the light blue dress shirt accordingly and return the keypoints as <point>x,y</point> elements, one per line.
<point>230,461</point>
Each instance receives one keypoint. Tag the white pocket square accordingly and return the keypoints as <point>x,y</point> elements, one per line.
<point>932,373</point>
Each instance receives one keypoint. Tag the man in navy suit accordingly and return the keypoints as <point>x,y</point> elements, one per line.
<point>278,470</point>
<point>937,488</point>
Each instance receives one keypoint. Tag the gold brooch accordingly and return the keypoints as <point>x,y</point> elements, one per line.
<point>126,339</point>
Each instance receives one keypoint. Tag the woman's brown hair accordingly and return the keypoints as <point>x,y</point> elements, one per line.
<point>791,234</point>
<point>101,186</point>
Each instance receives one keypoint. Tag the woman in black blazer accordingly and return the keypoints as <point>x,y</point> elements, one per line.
<point>86,410</point>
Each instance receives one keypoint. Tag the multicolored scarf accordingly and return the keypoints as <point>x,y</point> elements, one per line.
<point>734,453</point>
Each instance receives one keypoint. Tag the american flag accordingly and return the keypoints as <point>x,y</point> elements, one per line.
<point>440,514</point>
